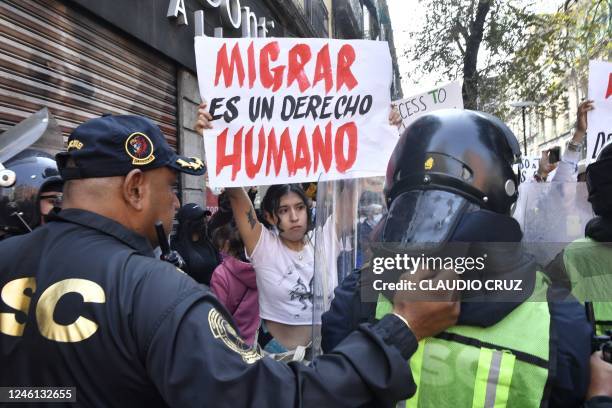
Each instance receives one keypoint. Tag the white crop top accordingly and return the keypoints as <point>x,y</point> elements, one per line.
<point>284,280</point>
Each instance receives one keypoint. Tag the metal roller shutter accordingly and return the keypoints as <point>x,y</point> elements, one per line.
<point>55,55</point>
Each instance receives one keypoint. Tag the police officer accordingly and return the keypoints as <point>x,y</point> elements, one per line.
<point>32,187</point>
<point>450,180</point>
<point>50,196</point>
<point>85,304</point>
<point>584,265</point>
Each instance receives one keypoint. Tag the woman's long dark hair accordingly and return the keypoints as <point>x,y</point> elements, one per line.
<point>271,202</point>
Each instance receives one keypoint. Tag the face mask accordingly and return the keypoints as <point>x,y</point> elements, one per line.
<point>377,218</point>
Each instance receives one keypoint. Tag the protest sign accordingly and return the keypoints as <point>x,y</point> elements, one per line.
<point>445,97</point>
<point>294,110</point>
<point>527,168</point>
<point>599,130</point>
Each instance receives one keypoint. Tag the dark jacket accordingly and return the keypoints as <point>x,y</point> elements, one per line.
<point>86,305</point>
<point>201,257</point>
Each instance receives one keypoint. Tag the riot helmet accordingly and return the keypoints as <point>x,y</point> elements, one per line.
<point>19,199</point>
<point>599,182</point>
<point>445,163</point>
<point>465,152</point>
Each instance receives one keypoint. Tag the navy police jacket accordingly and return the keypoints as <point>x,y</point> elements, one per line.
<point>85,305</point>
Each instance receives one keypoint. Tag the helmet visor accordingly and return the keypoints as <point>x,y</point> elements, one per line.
<point>428,216</point>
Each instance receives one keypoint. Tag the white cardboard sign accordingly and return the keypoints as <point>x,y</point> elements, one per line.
<point>445,97</point>
<point>527,168</point>
<point>290,110</point>
<point>599,130</point>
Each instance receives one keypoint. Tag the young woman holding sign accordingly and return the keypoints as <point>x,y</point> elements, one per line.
<point>282,254</point>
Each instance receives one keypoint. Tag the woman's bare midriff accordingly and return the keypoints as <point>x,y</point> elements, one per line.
<point>290,336</point>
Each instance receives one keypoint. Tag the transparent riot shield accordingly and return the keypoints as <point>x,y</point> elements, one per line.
<point>347,211</point>
<point>551,215</point>
<point>39,131</point>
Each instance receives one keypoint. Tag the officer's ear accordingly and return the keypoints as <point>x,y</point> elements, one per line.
<point>135,189</point>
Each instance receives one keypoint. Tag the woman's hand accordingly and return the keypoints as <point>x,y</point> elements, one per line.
<point>395,119</point>
<point>204,118</point>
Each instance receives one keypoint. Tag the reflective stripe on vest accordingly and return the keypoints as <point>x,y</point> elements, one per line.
<point>493,378</point>
<point>505,365</point>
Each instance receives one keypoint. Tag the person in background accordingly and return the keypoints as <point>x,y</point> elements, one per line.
<point>50,196</point>
<point>32,188</point>
<point>224,213</point>
<point>234,282</point>
<point>193,244</point>
<point>567,167</point>
<point>370,212</point>
<point>584,265</point>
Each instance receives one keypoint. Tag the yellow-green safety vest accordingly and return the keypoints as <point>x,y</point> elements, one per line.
<point>504,365</point>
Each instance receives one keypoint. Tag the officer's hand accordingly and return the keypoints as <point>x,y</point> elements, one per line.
<point>204,118</point>
<point>601,377</point>
<point>395,119</point>
<point>428,312</point>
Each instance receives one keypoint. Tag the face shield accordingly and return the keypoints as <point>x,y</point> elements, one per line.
<point>25,134</point>
<point>423,217</point>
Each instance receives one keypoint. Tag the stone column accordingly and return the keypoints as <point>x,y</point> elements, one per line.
<point>193,188</point>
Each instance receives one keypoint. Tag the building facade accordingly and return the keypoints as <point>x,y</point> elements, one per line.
<point>84,58</point>
<point>551,126</point>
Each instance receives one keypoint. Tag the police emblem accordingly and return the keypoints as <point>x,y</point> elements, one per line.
<point>140,148</point>
<point>222,329</point>
<point>429,163</point>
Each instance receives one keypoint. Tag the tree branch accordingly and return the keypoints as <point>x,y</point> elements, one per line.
<point>461,49</point>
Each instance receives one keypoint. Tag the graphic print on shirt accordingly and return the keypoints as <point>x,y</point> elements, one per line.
<point>302,293</point>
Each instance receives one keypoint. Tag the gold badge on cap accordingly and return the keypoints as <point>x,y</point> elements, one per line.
<point>75,144</point>
<point>429,163</point>
<point>140,148</point>
<point>194,163</point>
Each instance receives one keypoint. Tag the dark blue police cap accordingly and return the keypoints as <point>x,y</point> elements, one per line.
<point>113,145</point>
